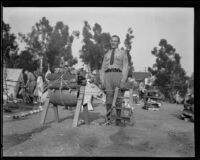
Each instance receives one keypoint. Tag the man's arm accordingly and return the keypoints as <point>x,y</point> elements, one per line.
<point>125,68</point>
<point>28,80</point>
<point>102,70</point>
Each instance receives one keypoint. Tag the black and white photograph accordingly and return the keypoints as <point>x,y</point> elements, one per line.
<point>98,82</point>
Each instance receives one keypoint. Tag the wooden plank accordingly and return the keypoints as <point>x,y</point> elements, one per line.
<point>114,104</point>
<point>55,107</point>
<point>123,97</point>
<point>154,97</point>
<point>123,118</point>
<point>115,97</point>
<point>78,106</point>
<point>46,107</point>
<point>131,97</point>
<point>86,114</point>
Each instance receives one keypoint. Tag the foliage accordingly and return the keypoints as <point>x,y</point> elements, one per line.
<point>26,61</point>
<point>50,43</point>
<point>96,44</point>
<point>128,47</point>
<point>170,76</point>
<point>9,46</point>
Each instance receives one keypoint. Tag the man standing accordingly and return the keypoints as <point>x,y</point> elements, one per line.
<point>114,72</point>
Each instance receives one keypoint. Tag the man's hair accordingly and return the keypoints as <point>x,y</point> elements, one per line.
<point>116,37</point>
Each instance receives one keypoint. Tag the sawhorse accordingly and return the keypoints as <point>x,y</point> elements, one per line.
<point>77,112</point>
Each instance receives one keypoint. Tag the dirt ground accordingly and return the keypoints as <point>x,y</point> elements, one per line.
<point>155,134</point>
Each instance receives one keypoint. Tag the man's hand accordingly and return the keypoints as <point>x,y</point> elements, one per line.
<point>103,86</point>
<point>122,85</point>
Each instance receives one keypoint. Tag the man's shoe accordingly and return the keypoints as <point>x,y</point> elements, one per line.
<point>107,123</point>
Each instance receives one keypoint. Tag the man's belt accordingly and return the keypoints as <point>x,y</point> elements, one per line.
<point>113,70</point>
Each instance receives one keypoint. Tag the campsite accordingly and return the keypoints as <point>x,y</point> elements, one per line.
<point>160,133</point>
<point>154,134</point>
<point>98,82</point>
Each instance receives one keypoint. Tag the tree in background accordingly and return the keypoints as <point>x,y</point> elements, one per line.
<point>26,60</point>
<point>95,46</point>
<point>9,46</point>
<point>48,44</point>
<point>170,76</point>
<point>60,45</point>
<point>128,47</point>
<point>37,40</point>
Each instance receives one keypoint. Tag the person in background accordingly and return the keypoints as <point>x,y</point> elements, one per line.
<point>141,90</point>
<point>62,62</point>
<point>66,67</point>
<point>178,98</point>
<point>189,97</point>
<point>19,91</point>
<point>31,83</point>
<point>48,71</point>
<point>147,82</point>
<point>39,89</point>
<point>114,73</point>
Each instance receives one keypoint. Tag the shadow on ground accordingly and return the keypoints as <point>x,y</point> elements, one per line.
<point>15,139</point>
<point>13,120</point>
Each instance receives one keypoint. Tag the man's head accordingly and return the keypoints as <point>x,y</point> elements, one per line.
<point>26,71</point>
<point>66,65</point>
<point>115,41</point>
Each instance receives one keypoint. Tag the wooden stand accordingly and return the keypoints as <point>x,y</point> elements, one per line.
<point>78,107</point>
<point>55,107</point>
<point>119,117</point>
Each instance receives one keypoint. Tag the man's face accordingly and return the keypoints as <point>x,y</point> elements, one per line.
<point>114,42</point>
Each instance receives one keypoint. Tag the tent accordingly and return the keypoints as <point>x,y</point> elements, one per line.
<point>140,76</point>
<point>11,77</point>
<point>92,90</point>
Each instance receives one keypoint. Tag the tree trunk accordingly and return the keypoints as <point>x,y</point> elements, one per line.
<point>41,63</point>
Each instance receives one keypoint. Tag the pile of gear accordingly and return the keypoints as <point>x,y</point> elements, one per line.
<point>152,100</point>
<point>64,87</point>
<point>122,111</point>
<point>188,111</point>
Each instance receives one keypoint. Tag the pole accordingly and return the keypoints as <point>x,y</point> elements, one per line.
<point>41,63</point>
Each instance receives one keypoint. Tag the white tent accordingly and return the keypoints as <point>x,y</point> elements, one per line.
<point>92,90</point>
<point>10,81</point>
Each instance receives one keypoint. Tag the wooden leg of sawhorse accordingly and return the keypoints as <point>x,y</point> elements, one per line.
<point>55,107</point>
<point>115,97</point>
<point>131,97</point>
<point>44,113</point>
<point>114,104</point>
<point>78,106</point>
<point>85,110</point>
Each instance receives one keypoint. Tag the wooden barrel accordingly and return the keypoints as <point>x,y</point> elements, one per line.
<point>64,97</point>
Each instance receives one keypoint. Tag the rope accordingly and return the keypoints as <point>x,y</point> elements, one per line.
<point>61,84</point>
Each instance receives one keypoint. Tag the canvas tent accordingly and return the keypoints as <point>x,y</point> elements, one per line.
<point>11,78</point>
<point>140,76</point>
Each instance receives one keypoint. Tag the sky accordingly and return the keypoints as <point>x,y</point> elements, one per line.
<point>149,25</point>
